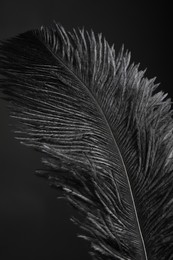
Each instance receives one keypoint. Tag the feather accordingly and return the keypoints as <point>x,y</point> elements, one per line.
<point>105,133</point>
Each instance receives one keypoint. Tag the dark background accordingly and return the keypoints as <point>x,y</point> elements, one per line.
<point>33,223</point>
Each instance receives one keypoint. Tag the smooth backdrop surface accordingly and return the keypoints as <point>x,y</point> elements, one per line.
<point>33,223</point>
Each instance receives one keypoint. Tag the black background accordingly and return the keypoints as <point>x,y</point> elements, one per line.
<point>33,223</point>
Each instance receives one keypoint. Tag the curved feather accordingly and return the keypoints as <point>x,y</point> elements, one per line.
<point>106,135</point>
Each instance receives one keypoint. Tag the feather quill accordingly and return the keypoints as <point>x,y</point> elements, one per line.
<point>106,136</point>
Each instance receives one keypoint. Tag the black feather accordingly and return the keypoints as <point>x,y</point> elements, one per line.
<point>105,132</point>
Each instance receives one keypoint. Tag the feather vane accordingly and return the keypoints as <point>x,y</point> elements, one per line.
<point>105,133</point>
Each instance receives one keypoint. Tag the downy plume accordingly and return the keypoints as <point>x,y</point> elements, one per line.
<point>105,132</point>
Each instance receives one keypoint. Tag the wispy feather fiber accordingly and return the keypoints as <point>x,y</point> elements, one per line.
<point>105,132</point>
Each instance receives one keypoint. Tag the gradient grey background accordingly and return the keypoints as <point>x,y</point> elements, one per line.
<point>33,223</point>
